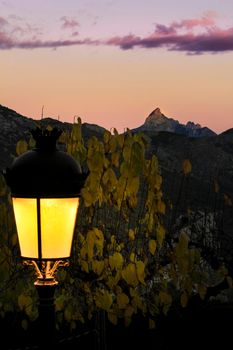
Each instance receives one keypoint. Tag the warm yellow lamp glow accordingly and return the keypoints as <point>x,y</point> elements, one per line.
<point>45,226</point>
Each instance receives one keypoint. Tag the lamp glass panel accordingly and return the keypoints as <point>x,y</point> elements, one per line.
<point>58,216</point>
<point>26,222</point>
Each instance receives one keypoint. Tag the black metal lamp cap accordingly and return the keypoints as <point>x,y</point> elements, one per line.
<point>46,139</point>
<point>45,171</point>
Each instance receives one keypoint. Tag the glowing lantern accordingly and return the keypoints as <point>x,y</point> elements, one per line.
<point>45,187</point>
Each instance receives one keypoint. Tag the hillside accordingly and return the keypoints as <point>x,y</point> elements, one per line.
<point>208,189</point>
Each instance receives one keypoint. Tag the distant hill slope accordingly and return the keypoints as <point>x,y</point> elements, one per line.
<point>14,127</point>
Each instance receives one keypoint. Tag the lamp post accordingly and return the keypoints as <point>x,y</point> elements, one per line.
<point>45,186</point>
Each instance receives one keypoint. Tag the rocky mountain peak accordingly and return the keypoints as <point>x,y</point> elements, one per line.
<point>155,117</point>
<point>157,121</point>
<point>191,125</point>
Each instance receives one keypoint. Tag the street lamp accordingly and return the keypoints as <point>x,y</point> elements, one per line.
<point>45,186</point>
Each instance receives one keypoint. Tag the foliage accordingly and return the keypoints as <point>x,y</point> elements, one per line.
<point>123,261</point>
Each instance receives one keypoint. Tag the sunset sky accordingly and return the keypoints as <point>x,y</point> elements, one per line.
<point>113,61</point>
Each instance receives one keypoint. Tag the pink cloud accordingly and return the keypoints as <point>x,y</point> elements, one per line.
<point>3,22</point>
<point>75,33</point>
<point>193,36</point>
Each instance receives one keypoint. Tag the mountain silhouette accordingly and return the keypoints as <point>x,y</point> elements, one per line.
<point>157,121</point>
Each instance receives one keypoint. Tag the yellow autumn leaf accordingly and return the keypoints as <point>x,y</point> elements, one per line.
<point>24,301</point>
<point>68,313</point>
<point>227,200</point>
<point>184,299</point>
<point>182,246</point>
<point>99,241</point>
<point>151,324</point>
<point>83,251</point>
<point>131,235</point>
<point>122,300</point>
<point>216,186</point>
<point>133,292</point>
<point>152,246</point>
<point>106,136</point>
<point>128,321</point>
<point>133,186</point>
<point>21,147</point>
<point>187,167</point>
<point>140,269</point>
<point>129,311</point>
<point>88,199</point>
<point>90,244</point>
<point>115,159</point>
<point>3,188</point>
<point>202,291</point>
<point>161,207</point>
<point>84,266</point>
<point>24,324</point>
<point>160,234</point>
<point>112,318</point>
<point>132,257</point>
<point>98,266</point>
<point>14,239</point>
<point>103,300</point>
<point>59,302</point>
<point>116,261</point>
<point>117,277</point>
<point>229,281</point>
<point>129,274</point>
<point>165,298</point>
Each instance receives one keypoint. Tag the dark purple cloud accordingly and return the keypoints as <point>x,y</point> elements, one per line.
<point>6,43</point>
<point>215,41</point>
<point>180,36</point>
